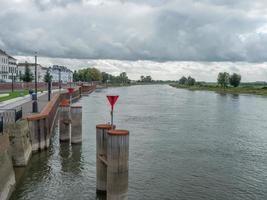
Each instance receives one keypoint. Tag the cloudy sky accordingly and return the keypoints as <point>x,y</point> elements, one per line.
<point>162,38</point>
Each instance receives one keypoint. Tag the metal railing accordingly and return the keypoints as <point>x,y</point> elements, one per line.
<point>8,116</point>
<point>11,115</point>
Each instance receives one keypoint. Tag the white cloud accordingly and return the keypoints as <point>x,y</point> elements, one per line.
<point>202,71</point>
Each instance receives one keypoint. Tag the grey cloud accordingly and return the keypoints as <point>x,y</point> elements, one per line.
<point>160,30</point>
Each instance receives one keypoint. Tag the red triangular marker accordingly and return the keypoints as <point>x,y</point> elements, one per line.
<point>112,100</point>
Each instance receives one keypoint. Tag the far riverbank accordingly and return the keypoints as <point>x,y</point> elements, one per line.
<point>231,90</point>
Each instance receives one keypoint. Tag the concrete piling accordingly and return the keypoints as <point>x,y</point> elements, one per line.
<point>20,145</point>
<point>76,124</point>
<point>117,164</point>
<point>38,134</point>
<point>101,156</point>
<point>7,175</point>
<point>65,122</point>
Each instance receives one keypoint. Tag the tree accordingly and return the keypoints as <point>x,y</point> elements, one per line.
<point>182,80</point>
<point>146,79</point>
<point>191,81</point>
<point>94,74</point>
<point>235,80</point>
<point>123,77</point>
<point>75,76</point>
<point>28,76</point>
<point>48,77</point>
<point>223,79</point>
<point>105,77</point>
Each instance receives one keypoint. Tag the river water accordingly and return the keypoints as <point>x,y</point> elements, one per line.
<point>183,145</point>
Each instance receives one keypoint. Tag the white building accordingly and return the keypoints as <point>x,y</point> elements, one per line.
<point>62,73</point>
<point>41,71</point>
<point>8,67</point>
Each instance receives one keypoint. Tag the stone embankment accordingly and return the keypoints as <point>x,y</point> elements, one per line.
<point>31,134</point>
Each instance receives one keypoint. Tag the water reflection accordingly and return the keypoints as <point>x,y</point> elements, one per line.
<point>101,196</point>
<point>70,158</point>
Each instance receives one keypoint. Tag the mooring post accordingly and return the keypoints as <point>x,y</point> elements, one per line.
<point>117,164</point>
<point>101,156</point>
<point>65,121</point>
<point>76,124</point>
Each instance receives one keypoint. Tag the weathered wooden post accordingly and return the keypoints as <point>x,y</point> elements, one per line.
<point>101,157</point>
<point>117,164</point>
<point>76,124</point>
<point>65,121</point>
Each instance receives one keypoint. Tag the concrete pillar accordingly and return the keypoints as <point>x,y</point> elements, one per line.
<point>20,145</point>
<point>7,175</point>
<point>76,124</point>
<point>64,125</point>
<point>101,156</point>
<point>38,134</point>
<point>117,162</point>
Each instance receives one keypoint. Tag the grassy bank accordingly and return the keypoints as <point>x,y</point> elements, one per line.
<point>256,90</point>
<point>14,94</point>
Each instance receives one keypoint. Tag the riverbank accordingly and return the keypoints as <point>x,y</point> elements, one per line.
<point>256,90</point>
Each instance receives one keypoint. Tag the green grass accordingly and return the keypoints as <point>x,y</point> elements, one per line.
<point>256,90</point>
<point>14,94</point>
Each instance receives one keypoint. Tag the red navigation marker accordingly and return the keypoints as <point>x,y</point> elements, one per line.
<point>112,100</point>
<point>70,90</point>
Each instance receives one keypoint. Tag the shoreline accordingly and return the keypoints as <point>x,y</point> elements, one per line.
<point>228,90</point>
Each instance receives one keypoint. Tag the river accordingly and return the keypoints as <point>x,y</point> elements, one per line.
<point>183,145</point>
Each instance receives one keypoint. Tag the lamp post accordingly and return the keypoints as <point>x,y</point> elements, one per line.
<point>59,79</point>
<point>34,97</point>
<point>35,71</point>
<point>12,81</point>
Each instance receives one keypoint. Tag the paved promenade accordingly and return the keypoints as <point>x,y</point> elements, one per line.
<point>26,103</point>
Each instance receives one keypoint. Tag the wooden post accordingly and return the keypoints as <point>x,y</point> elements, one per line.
<point>65,121</point>
<point>117,162</point>
<point>101,156</point>
<point>76,124</point>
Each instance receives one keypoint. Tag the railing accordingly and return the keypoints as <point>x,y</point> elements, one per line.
<point>47,116</point>
<point>8,116</point>
<point>41,124</point>
<point>11,115</point>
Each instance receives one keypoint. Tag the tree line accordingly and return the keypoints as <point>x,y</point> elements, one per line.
<point>190,81</point>
<point>224,79</point>
<point>93,74</point>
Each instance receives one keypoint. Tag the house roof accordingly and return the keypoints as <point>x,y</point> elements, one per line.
<point>5,54</point>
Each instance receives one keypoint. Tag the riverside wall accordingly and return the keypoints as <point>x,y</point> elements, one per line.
<point>32,134</point>
<point>7,174</point>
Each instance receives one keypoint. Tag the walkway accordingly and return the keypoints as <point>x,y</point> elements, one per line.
<point>26,103</point>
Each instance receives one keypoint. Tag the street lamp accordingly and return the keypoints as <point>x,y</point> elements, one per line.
<point>34,97</point>
<point>12,81</point>
<point>59,78</point>
<point>35,70</point>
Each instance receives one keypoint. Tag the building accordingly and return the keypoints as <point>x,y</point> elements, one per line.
<point>57,72</point>
<point>41,71</point>
<point>8,67</point>
<point>61,72</point>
